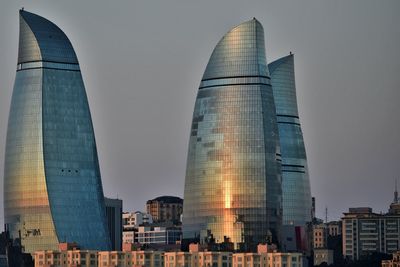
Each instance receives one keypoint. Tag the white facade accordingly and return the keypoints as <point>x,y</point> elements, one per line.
<point>158,235</point>
<point>128,237</point>
<point>135,219</point>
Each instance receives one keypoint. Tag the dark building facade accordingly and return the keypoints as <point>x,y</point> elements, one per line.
<point>296,193</point>
<point>114,221</point>
<point>52,184</point>
<point>165,209</point>
<point>233,178</point>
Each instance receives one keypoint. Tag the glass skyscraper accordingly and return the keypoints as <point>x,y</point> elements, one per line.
<point>52,185</point>
<point>233,177</point>
<point>296,195</point>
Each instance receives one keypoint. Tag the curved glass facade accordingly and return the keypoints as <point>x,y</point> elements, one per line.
<point>296,195</point>
<point>233,180</point>
<point>52,185</point>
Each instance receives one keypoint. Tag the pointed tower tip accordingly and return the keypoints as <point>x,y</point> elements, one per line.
<point>251,32</point>
<point>50,42</point>
<point>255,20</point>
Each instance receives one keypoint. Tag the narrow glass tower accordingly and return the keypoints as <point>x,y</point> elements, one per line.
<point>52,185</point>
<point>233,179</point>
<point>296,195</point>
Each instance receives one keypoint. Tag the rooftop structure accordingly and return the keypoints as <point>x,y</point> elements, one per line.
<point>165,209</point>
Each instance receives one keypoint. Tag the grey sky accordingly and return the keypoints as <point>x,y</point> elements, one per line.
<point>142,62</point>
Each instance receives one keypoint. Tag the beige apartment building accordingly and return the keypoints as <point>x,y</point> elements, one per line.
<point>272,259</point>
<point>320,239</point>
<point>196,257</point>
<point>131,258</point>
<point>68,255</point>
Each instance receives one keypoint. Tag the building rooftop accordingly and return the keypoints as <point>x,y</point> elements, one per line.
<point>166,199</point>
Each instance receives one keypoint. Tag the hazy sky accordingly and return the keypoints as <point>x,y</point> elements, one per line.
<point>142,62</point>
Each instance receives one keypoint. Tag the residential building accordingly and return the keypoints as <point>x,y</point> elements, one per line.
<point>68,254</point>
<point>147,258</point>
<point>267,256</point>
<point>296,192</point>
<point>248,259</point>
<point>114,221</point>
<point>320,237</point>
<point>365,232</point>
<point>198,256</point>
<point>267,259</point>
<point>131,220</point>
<point>213,258</point>
<point>158,235</point>
<point>233,180</point>
<point>114,258</point>
<point>180,258</point>
<point>165,209</point>
<point>129,237</point>
<point>130,256</point>
<point>51,145</point>
<point>334,228</point>
<point>322,255</point>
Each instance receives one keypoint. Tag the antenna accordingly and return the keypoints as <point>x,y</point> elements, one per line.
<point>396,194</point>
<point>326,214</point>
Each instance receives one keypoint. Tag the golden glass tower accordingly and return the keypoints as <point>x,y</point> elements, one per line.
<point>233,178</point>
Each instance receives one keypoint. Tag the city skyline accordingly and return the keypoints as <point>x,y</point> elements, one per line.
<point>350,132</point>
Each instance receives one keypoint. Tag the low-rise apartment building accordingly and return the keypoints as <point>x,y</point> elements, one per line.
<point>366,232</point>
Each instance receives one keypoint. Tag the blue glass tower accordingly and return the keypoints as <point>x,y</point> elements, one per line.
<point>296,194</point>
<point>233,178</point>
<point>52,185</point>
